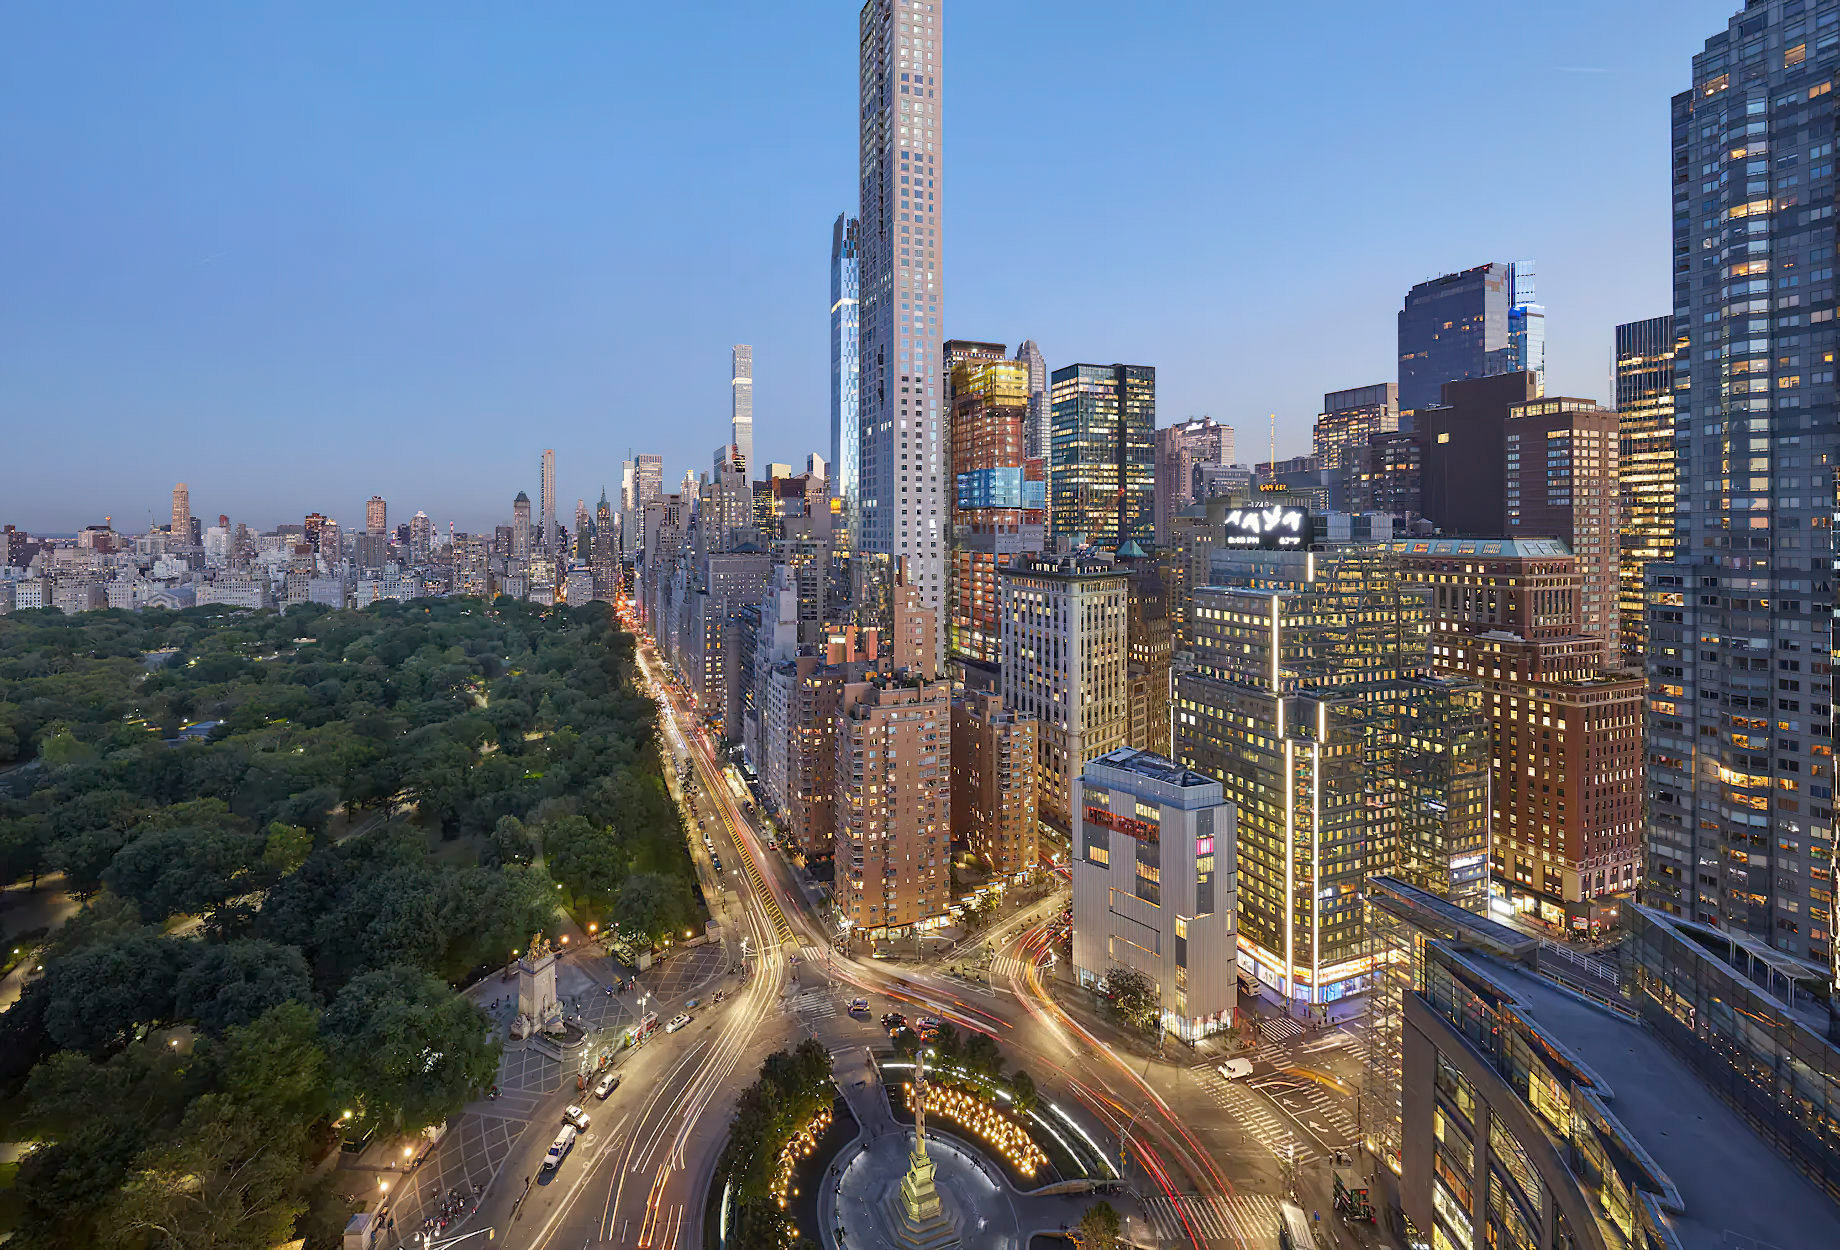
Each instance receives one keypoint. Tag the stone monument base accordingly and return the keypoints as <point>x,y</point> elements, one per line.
<point>916,1232</point>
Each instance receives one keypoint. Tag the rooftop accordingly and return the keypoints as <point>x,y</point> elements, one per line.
<point>1155,767</point>
<point>1485,548</point>
<point>1736,1189</point>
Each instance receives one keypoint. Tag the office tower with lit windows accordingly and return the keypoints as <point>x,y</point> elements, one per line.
<point>741,405</point>
<point>546,491</point>
<point>1565,723</point>
<point>376,515</point>
<point>1102,464</point>
<point>1645,353</point>
<point>893,847</point>
<point>1310,700</point>
<point>1452,328</point>
<point>904,455</point>
<point>520,527</point>
<point>1064,661</point>
<point>1349,419</point>
<point>421,538</point>
<point>181,513</point>
<point>1181,449</point>
<point>1740,771</point>
<point>846,358</point>
<point>1038,432</point>
<point>310,528</point>
<point>998,511</point>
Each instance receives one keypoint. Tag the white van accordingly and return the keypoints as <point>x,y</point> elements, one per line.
<point>565,1141</point>
<point>1235,1069</point>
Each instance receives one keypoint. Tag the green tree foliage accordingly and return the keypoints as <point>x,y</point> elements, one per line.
<point>1100,1228</point>
<point>586,860</point>
<point>652,906</point>
<point>99,996</point>
<point>172,872</point>
<point>229,984</point>
<point>1134,997</point>
<point>405,1049</point>
<point>1022,1092</point>
<point>794,1085</point>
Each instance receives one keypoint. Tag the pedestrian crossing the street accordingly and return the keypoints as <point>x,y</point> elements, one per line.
<point>1248,1218</point>
<point>1263,1124</point>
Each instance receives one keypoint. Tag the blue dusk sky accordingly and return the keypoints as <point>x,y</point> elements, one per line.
<point>297,253</point>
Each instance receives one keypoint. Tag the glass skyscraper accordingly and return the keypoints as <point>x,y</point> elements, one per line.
<point>1740,747</point>
<point>1526,324</point>
<point>1645,422</point>
<point>1102,461</point>
<point>1455,327</point>
<point>903,454</point>
<point>846,359</point>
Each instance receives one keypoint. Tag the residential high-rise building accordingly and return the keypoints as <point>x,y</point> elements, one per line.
<point>310,528</point>
<point>1740,688</point>
<point>1645,352</point>
<point>1181,449</point>
<point>1150,646</point>
<point>915,645</point>
<point>1452,328</point>
<point>181,513</point>
<point>905,507</point>
<point>846,359</point>
<point>1565,725</point>
<point>894,802</point>
<point>1309,699</point>
<point>1064,662</point>
<point>520,527</point>
<point>1155,886</point>
<point>546,491</point>
<point>421,538</point>
<point>1102,465</point>
<point>1350,418</point>
<point>993,782</point>
<point>1038,430</point>
<point>997,511</point>
<point>741,420</point>
<point>376,515</point>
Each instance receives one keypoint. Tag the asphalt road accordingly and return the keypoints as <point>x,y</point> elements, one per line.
<point>1208,1157</point>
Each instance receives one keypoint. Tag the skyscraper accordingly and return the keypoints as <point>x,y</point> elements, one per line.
<point>997,510</point>
<point>904,457</point>
<point>1526,324</point>
<point>1349,418</point>
<point>1179,449</point>
<point>741,405</point>
<point>1039,432</point>
<point>1645,413</point>
<point>1102,465</point>
<point>421,538</point>
<point>1451,328</point>
<point>181,513</point>
<point>546,490</point>
<point>1740,762</point>
<point>376,515</point>
<point>846,358</point>
<point>520,527</point>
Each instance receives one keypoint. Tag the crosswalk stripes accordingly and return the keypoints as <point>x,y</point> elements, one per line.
<point>1252,1219</point>
<point>813,952</point>
<point>815,1005</point>
<point>1275,1028</point>
<point>1253,1114</point>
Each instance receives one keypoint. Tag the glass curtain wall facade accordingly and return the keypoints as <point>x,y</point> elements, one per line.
<point>1740,775</point>
<point>1645,353</point>
<point>1451,328</point>
<point>997,512</point>
<point>1102,462</point>
<point>846,360</point>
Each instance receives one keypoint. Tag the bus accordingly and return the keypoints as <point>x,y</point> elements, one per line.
<point>1294,1231</point>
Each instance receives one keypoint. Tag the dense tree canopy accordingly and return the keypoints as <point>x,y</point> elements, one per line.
<point>294,836</point>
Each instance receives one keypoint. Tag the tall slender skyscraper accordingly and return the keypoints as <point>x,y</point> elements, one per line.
<point>846,357</point>
<point>546,492</point>
<point>520,527</point>
<point>376,515</point>
<point>904,455</point>
<point>1645,414</point>
<point>1102,466</point>
<point>1526,324</point>
<point>1740,763</point>
<point>1039,429</point>
<point>741,422</point>
<point>182,513</point>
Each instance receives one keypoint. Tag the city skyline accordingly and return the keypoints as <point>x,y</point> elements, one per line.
<point>336,315</point>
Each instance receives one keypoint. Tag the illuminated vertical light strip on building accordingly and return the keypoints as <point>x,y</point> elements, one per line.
<point>1322,724</point>
<point>1290,868</point>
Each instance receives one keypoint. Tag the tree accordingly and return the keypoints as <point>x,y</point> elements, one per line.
<point>587,861</point>
<point>285,849</point>
<point>652,906</point>
<point>277,1066</point>
<point>405,1049</point>
<point>230,984</point>
<point>512,841</point>
<point>100,995</point>
<point>982,1056</point>
<point>172,872</point>
<point>1135,999</point>
<point>1023,1096</point>
<point>1100,1227</point>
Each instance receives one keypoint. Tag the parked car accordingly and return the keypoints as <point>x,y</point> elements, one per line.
<point>565,1141</point>
<point>577,1117</point>
<point>608,1084</point>
<point>1236,1069</point>
<point>677,1022</point>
